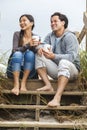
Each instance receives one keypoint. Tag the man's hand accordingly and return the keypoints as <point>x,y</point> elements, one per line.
<point>40,51</point>
<point>48,54</point>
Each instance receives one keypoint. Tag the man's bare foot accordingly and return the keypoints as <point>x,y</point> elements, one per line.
<point>53,103</point>
<point>15,90</point>
<point>46,88</point>
<point>23,87</point>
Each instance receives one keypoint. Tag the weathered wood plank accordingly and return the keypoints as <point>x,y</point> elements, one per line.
<point>85,19</point>
<point>38,107</point>
<point>79,93</point>
<point>35,84</point>
<point>32,124</point>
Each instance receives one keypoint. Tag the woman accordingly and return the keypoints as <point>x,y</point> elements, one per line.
<point>22,60</point>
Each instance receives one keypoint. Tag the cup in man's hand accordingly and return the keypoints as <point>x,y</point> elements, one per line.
<point>47,47</point>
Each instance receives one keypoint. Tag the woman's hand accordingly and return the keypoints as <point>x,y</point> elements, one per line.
<point>34,41</point>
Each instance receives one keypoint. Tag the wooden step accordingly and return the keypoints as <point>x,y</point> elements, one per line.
<point>44,124</point>
<point>79,93</point>
<point>43,107</point>
<point>71,91</point>
<point>35,84</point>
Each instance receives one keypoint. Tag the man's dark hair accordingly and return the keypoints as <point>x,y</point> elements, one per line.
<point>62,17</point>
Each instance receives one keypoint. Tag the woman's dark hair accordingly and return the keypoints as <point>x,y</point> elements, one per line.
<point>31,19</point>
<point>62,17</point>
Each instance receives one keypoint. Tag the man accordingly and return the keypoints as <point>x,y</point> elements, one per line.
<point>62,63</point>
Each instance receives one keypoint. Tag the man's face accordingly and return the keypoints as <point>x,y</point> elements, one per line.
<point>56,23</point>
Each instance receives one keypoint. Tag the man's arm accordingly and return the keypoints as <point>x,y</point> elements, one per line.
<point>70,48</point>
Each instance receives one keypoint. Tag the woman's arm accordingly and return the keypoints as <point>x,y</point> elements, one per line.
<point>15,43</point>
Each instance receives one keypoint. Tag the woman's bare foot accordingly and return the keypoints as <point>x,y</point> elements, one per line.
<point>15,90</point>
<point>53,103</point>
<point>23,87</point>
<point>46,88</point>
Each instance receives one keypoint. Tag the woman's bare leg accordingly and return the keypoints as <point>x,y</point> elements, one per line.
<point>24,80</point>
<point>15,90</point>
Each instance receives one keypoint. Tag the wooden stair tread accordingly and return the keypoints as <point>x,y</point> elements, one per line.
<point>34,84</point>
<point>42,107</point>
<point>47,92</point>
<point>45,124</point>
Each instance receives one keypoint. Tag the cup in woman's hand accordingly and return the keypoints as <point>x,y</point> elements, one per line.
<point>35,39</point>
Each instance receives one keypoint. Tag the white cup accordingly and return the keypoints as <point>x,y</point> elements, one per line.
<point>36,38</point>
<point>47,47</point>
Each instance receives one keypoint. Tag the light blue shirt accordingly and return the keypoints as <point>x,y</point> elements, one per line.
<point>64,47</point>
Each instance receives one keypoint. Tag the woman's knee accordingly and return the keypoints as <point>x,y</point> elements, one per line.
<point>29,56</point>
<point>17,57</point>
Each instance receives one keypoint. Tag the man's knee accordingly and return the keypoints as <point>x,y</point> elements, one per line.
<point>63,68</point>
<point>39,63</point>
<point>64,62</point>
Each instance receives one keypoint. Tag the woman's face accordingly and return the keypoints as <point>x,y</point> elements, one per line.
<point>25,23</point>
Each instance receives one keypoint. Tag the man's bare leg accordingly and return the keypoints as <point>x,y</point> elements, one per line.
<point>24,79</point>
<point>43,74</point>
<point>62,82</point>
<point>15,90</point>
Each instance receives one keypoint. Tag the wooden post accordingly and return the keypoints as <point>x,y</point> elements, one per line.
<point>84,30</point>
<point>36,128</point>
<point>85,22</point>
<point>81,35</point>
<point>37,115</point>
<point>86,5</point>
